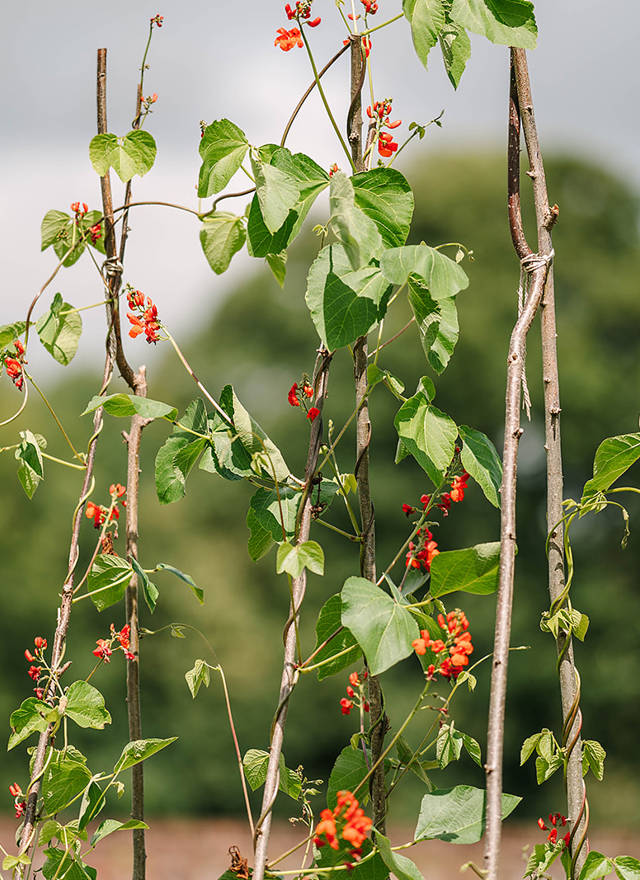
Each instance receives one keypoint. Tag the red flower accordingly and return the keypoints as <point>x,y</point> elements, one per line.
<point>20,808</point>
<point>287,40</point>
<point>34,672</point>
<point>333,169</point>
<point>29,656</point>
<point>14,372</point>
<point>458,486</point>
<point>146,321</point>
<point>103,650</point>
<point>96,513</point>
<point>15,790</point>
<point>370,6</point>
<point>313,413</point>
<point>95,232</point>
<point>40,643</point>
<point>39,692</point>
<point>346,706</point>
<point>307,390</point>
<point>315,22</point>
<point>292,397</point>
<point>354,679</point>
<point>386,145</point>
<point>408,509</point>
<point>116,490</point>
<point>157,20</point>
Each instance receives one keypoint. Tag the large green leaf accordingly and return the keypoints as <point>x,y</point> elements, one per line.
<point>252,437</point>
<point>456,50</point>
<point>427,19</point>
<point>85,706</point>
<point>255,763</point>
<point>179,453</point>
<point>348,772</point>
<point>400,866</point>
<point>61,865</point>
<point>110,825</point>
<point>385,196</point>
<point>197,591</point>
<point>31,463</point>
<point>294,558</point>
<point>278,193</point>
<point>428,434</point>
<point>109,575</point>
<point>330,620</point>
<point>473,570</point>
<point>123,405</point>
<point>482,462</point>
<point>457,815</point>
<point>67,234</point>
<point>437,322</point>
<point>132,154</point>
<point>344,304</point>
<point>59,330</point>
<point>139,750</point>
<point>442,276</point>
<point>149,589</point>
<point>10,332</point>
<point>627,868</point>
<point>596,866</point>
<point>30,717</point>
<point>356,231</point>
<point>222,235</point>
<point>63,780</point>
<point>383,628</point>
<point>506,22</point>
<point>614,456</point>
<point>223,147</point>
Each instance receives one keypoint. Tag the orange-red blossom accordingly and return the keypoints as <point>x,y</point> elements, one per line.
<point>455,649</point>
<point>347,822</point>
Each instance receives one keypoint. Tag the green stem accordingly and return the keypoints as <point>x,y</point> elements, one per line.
<point>342,653</point>
<point>339,531</point>
<point>76,454</point>
<point>325,102</point>
<point>78,467</point>
<point>383,25</point>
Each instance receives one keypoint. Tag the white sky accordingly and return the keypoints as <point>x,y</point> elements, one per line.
<point>217,59</point>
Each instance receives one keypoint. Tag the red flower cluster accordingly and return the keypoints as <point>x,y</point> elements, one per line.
<point>455,648</point>
<point>34,672</point>
<point>95,232</point>
<point>381,112</point>
<point>146,321</point>
<point>287,40</point>
<point>302,11</point>
<point>355,694</point>
<point>347,822</point>
<point>299,394</point>
<point>18,799</point>
<point>555,819</point>
<point>422,553</point>
<point>13,361</point>
<point>104,647</point>
<point>79,211</point>
<point>370,6</point>
<point>333,169</point>
<point>99,514</point>
<point>157,20</point>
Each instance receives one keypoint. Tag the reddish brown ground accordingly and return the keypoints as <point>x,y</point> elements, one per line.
<point>198,850</point>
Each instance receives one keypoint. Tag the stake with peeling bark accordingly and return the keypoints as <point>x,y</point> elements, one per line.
<point>138,384</point>
<point>577,807</point>
<point>290,672</point>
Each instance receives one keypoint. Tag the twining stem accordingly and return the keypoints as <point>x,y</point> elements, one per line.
<point>316,77</point>
<point>577,808</point>
<point>537,268</point>
<point>76,454</point>
<point>214,403</point>
<point>383,24</point>
<point>236,745</point>
<point>290,673</point>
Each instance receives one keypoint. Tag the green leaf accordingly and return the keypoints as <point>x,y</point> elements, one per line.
<point>330,620</point>
<point>139,750</point>
<point>255,764</point>
<point>456,50</point>
<point>596,866</point>
<point>53,228</point>
<point>457,815</point>
<point>427,19</point>
<point>110,825</point>
<point>356,231</point>
<point>10,862</point>
<point>61,865</point>
<point>344,304</point>
<point>472,570</point>
<point>383,628</point>
<point>62,782</point>
<point>29,718</point>
<point>261,242</point>
<point>260,539</point>
<point>222,235</point>
<point>529,746</point>
<point>437,322</point>
<point>277,192</point>
<point>472,748</point>
<point>448,745</point>
<point>85,706</point>
<point>223,147</point>
<point>278,265</point>
<point>59,330</point>
<point>407,757</point>
<point>179,453</point>
<point>386,198</point>
<point>197,591</point>
<point>348,772</point>
<point>198,676</point>
<point>132,154</point>
<point>252,437</point>
<point>546,767</point>
<point>91,805</point>
<point>10,332</point>
<point>627,868</point>
<point>68,235</point>
<point>428,434</point>
<point>442,276</point>
<point>123,405</point>
<point>482,462</point>
<point>110,575</point>
<point>593,756</point>
<point>506,22</point>
<point>295,558</point>
<point>614,456</point>
<point>31,467</point>
<point>149,589</point>
<point>400,866</point>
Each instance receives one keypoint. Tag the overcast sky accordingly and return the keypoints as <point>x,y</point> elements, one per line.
<point>215,59</point>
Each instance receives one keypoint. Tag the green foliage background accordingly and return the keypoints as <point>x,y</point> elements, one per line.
<point>261,339</point>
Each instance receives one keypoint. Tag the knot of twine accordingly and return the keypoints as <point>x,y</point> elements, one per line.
<point>528,265</point>
<point>112,267</point>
